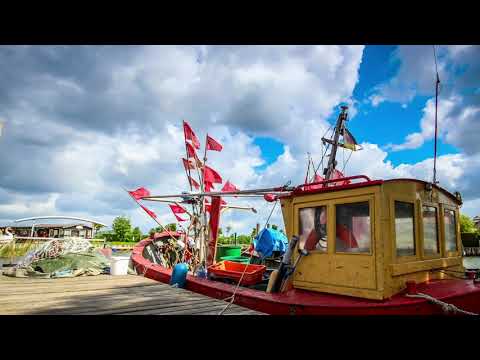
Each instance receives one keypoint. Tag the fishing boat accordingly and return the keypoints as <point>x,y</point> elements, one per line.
<point>357,246</point>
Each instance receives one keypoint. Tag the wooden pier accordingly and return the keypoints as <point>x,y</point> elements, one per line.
<point>105,295</point>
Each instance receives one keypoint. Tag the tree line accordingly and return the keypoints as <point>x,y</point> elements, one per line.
<point>123,231</point>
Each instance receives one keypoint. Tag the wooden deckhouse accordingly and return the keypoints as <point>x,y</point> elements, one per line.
<point>367,239</point>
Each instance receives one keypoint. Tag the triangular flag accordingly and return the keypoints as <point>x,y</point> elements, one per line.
<point>208,186</point>
<point>194,183</point>
<point>349,141</point>
<point>149,212</point>
<point>139,193</point>
<point>188,164</point>
<point>191,152</point>
<point>211,175</point>
<point>177,209</point>
<point>212,144</point>
<point>229,187</point>
<point>190,135</point>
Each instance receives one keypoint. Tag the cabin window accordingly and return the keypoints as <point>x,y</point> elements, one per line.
<point>430,232</point>
<point>405,228</point>
<point>450,230</point>
<point>313,228</point>
<point>353,227</point>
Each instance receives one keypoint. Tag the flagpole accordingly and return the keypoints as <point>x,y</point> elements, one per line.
<point>202,188</point>
<point>186,154</point>
<point>164,228</point>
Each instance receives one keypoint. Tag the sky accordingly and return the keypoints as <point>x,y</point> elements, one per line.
<point>83,122</point>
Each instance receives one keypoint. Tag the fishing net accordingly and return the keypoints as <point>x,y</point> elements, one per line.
<point>62,258</point>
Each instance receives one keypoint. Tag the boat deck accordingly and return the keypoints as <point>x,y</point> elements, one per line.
<point>105,295</point>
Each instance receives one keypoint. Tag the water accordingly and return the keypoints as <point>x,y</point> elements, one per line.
<point>471,262</point>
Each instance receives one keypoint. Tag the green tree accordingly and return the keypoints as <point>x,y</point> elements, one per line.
<point>467,225</point>
<point>137,234</point>
<point>122,229</point>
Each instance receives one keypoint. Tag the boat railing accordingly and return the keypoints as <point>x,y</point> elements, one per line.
<point>324,182</point>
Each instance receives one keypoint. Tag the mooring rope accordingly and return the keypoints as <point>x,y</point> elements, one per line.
<point>232,297</point>
<point>446,307</point>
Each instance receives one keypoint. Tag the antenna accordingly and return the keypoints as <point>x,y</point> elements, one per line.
<point>437,83</point>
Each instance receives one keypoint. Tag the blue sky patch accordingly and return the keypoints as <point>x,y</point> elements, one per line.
<point>271,149</point>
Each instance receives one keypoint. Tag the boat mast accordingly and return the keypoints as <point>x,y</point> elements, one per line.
<point>342,117</point>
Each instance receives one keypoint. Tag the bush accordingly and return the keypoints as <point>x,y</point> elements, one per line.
<point>467,225</point>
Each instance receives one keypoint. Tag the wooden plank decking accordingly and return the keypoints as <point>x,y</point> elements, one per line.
<point>105,295</point>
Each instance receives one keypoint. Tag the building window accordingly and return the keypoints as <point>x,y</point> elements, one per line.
<point>66,232</point>
<point>89,234</point>
<point>405,228</point>
<point>353,227</point>
<point>313,228</point>
<point>430,231</point>
<point>450,230</point>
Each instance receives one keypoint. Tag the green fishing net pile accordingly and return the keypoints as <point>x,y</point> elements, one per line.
<point>63,263</point>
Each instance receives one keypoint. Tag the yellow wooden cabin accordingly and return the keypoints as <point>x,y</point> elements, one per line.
<point>367,239</point>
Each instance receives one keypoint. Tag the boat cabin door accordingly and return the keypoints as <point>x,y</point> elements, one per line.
<point>339,234</point>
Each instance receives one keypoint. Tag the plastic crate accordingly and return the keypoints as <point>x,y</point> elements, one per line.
<point>234,270</point>
<point>240,259</point>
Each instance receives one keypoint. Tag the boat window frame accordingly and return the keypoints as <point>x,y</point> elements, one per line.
<point>371,211</point>
<point>393,235</point>
<point>296,222</point>
<point>446,253</point>
<point>440,253</point>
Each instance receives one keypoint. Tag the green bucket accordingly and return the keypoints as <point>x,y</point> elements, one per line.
<point>239,259</point>
<point>228,250</point>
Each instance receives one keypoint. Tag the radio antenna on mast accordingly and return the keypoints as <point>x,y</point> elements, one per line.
<point>437,83</point>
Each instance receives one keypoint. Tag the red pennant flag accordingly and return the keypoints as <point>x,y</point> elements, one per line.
<point>139,193</point>
<point>190,135</point>
<point>212,144</point>
<point>188,164</point>
<point>194,183</point>
<point>229,187</point>
<point>191,152</point>
<point>149,212</point>
<point>223,202</point>
<point>177,209</point>
<point>179,218</point>
<point>208,186</point>
<point>211,175</point>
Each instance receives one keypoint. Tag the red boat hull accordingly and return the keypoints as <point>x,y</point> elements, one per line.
<point>462,293</point>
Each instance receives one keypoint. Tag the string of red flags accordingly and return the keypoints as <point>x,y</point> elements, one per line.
<point>211,175</point>
<point>190,135</point>
<point>229,187</point>
<point>139,193</point>
<point>212,144</point>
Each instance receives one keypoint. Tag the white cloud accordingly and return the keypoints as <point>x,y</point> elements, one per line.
<point>75,138</point>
